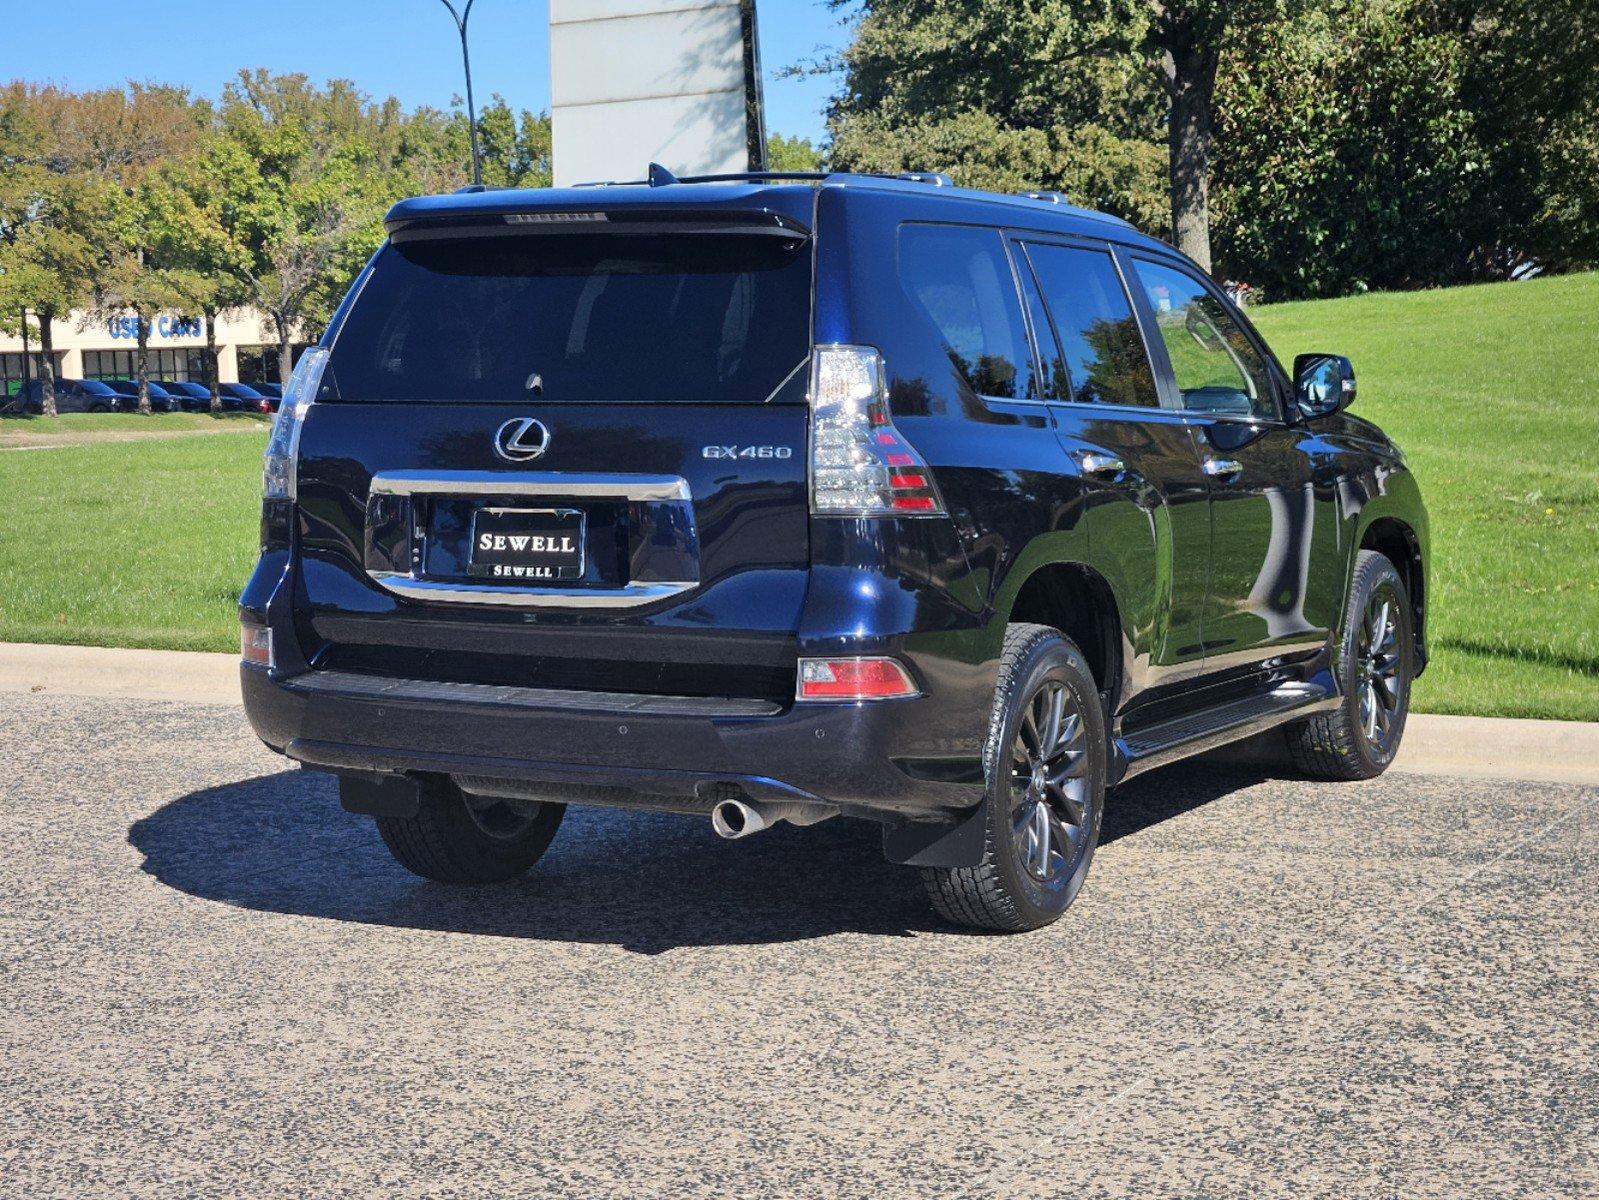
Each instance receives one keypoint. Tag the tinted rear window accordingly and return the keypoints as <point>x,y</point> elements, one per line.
<point>578,318</point>
<point>961,280</point>
<point>1100,357</point>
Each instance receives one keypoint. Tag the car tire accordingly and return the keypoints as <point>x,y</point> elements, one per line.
<point>456,838</point>
<point>1375,666</point>
<point>1019,884</point>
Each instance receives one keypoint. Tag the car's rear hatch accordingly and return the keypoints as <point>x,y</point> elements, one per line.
<point>563,445</point>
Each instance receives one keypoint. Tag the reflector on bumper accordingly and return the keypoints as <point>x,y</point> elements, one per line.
<point>853,679</point>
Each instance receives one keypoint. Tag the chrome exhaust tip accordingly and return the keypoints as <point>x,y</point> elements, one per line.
<point>734,819</point>
<point>739,818</point>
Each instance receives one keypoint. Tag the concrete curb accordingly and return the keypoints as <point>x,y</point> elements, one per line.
<point>1461,747</point>
<point>127,674</point>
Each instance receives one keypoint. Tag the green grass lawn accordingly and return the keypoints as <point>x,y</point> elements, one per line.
<point>18,428</point>
<point>129,543</point>
<point>1492,391</point>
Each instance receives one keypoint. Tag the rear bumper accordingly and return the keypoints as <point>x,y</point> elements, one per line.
<point>640,751</point>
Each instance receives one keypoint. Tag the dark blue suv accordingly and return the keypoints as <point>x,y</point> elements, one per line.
<point>779,498</point>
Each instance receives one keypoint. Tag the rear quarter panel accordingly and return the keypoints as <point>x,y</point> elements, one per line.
<point>997,463</point>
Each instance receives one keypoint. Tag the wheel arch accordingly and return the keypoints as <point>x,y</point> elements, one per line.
<point>1398,542</point>
<point>1076,599</point>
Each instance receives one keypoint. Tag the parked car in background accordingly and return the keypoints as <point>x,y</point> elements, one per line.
<point>248,397</point>
<point>191,396</point>
<point>72,396</point>
<point>273,391</point>
<point>127,393</point>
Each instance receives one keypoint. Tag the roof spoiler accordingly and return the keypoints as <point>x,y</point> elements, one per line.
<point>521,219</point>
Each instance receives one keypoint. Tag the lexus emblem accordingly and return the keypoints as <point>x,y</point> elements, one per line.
<point>521,438</point>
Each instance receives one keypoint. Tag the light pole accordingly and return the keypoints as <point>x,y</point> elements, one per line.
<point>461,17</point>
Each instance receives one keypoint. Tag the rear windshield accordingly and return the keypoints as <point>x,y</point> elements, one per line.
<point>578,318</point>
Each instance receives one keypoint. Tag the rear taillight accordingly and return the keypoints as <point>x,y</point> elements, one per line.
<point>277,474</point>
<point>853,679</point>
<point>255,645</point>
<point>860,465</point>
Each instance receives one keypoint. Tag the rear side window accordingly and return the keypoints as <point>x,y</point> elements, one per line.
<point>960,280</point>
<point>1101,357</point>
<point>578,318</point>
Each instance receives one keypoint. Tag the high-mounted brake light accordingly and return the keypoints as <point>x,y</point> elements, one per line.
<point>552,218</point>
<point>853,679</point>
<point>277,472</point>
<point>860,465</point>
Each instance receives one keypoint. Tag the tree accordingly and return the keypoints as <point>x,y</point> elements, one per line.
<point>1186,39</point>
<point>48,270</point>
<point>1011,96</point>
<point>49,221</point>
<point>1059,94</point>
<point>1529,77</point>
<point>125,281</point>
<point>185,221</point>
<point>432,149</point>
<point>791,154</point>
<point>304,176</point>
<point>1409,144</point>
<point>110,140</point>
<point>515,147</point>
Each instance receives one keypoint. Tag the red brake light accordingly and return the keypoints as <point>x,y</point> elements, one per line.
<point>853,679</point>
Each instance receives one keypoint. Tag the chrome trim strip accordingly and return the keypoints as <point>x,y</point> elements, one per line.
<point>542,483</point>
<point>572,596</point>
<point>388,687</point>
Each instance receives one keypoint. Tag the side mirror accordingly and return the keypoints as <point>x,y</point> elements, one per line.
<point>1323,384</point>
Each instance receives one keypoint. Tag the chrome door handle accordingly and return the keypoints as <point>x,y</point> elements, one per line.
<point>1100,466</point>
<point>1223,468</point>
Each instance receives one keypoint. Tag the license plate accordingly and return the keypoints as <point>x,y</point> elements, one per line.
<point>527,543</point>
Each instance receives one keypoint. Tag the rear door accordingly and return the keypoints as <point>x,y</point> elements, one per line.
<point>1149,528</point>
<point>565,454</point>
<point>1277,573</point>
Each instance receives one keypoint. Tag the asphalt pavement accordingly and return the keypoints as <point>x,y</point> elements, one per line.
<point>213,982</point>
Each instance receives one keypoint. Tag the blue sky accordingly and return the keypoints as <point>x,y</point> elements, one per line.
<point>406,48</point>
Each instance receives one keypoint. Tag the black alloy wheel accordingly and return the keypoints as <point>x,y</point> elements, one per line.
<point>1044,766</point>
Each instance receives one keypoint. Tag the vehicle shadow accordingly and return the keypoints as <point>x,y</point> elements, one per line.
<point>648,882</point>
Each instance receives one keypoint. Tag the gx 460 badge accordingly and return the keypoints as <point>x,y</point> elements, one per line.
<point>747,452</point>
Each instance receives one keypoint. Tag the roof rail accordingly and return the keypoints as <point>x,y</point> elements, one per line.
<point>742,176</point>
<point>659,176</point>
<point>1065,201</point>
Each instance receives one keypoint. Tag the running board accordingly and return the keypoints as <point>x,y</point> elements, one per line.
<point>1156,745</point>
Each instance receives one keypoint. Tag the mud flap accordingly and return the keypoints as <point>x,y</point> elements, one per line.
<point>957,843</point>
<point>379,795</point>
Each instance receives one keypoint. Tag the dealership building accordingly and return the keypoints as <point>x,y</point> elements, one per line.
<point>104,347</point>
